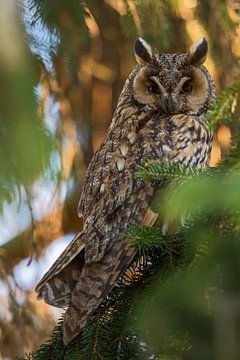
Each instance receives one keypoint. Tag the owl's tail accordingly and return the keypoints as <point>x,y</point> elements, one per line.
<point>60,280</point>
<point>95,282</point>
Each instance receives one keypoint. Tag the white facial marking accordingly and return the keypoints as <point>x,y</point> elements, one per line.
<point>161,87</point>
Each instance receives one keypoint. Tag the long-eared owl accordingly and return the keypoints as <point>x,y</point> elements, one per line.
<point>160,116</point>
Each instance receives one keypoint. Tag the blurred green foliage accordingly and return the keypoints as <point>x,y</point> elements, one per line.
<point>64,20</point>
<point>195,313</point>
<point>157,31</point>
<point>25,142</point>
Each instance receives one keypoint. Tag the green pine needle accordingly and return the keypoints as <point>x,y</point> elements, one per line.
<point>144,237</point>
<point>226,104</point>
<point>159,171</point>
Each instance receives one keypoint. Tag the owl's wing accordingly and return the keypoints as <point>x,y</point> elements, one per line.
<point>96,282</point>
<point>110,177</point>
<point>55,289</point>
<point>75,249</point>
<point>97,202</point>
<point>70,269</point>
<point>98,278</point>
<point>113,198</point>
<point>111,181</point>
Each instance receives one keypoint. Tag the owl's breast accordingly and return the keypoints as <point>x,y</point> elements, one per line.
<point>154,139</point>
<point>190,141</point>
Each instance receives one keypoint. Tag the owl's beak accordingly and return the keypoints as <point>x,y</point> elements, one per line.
<point>168,104</point>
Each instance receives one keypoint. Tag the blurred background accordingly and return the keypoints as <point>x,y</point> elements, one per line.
<point>62,66</point>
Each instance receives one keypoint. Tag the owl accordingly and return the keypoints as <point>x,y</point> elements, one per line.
<point>160,116</point>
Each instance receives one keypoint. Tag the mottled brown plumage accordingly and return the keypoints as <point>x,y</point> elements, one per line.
<point>160,116</point>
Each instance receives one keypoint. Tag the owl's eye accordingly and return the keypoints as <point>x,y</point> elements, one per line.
<point>153,88</point>
<point>187,87</point>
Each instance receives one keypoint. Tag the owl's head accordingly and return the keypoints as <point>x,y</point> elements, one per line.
<point>173,83</point>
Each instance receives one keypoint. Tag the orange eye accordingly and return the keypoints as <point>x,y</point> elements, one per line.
<point>153,88</point>
<point>187,87</point>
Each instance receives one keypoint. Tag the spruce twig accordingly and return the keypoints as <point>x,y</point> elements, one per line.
<point>226,104</point>
<point>154,170</point>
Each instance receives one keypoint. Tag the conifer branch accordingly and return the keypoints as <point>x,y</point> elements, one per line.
<point>226,104</point>
<point>145,238</point>
<point>154,170</point>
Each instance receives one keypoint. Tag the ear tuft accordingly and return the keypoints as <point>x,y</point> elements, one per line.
<point>198,52</point>
<point>143,51</point>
